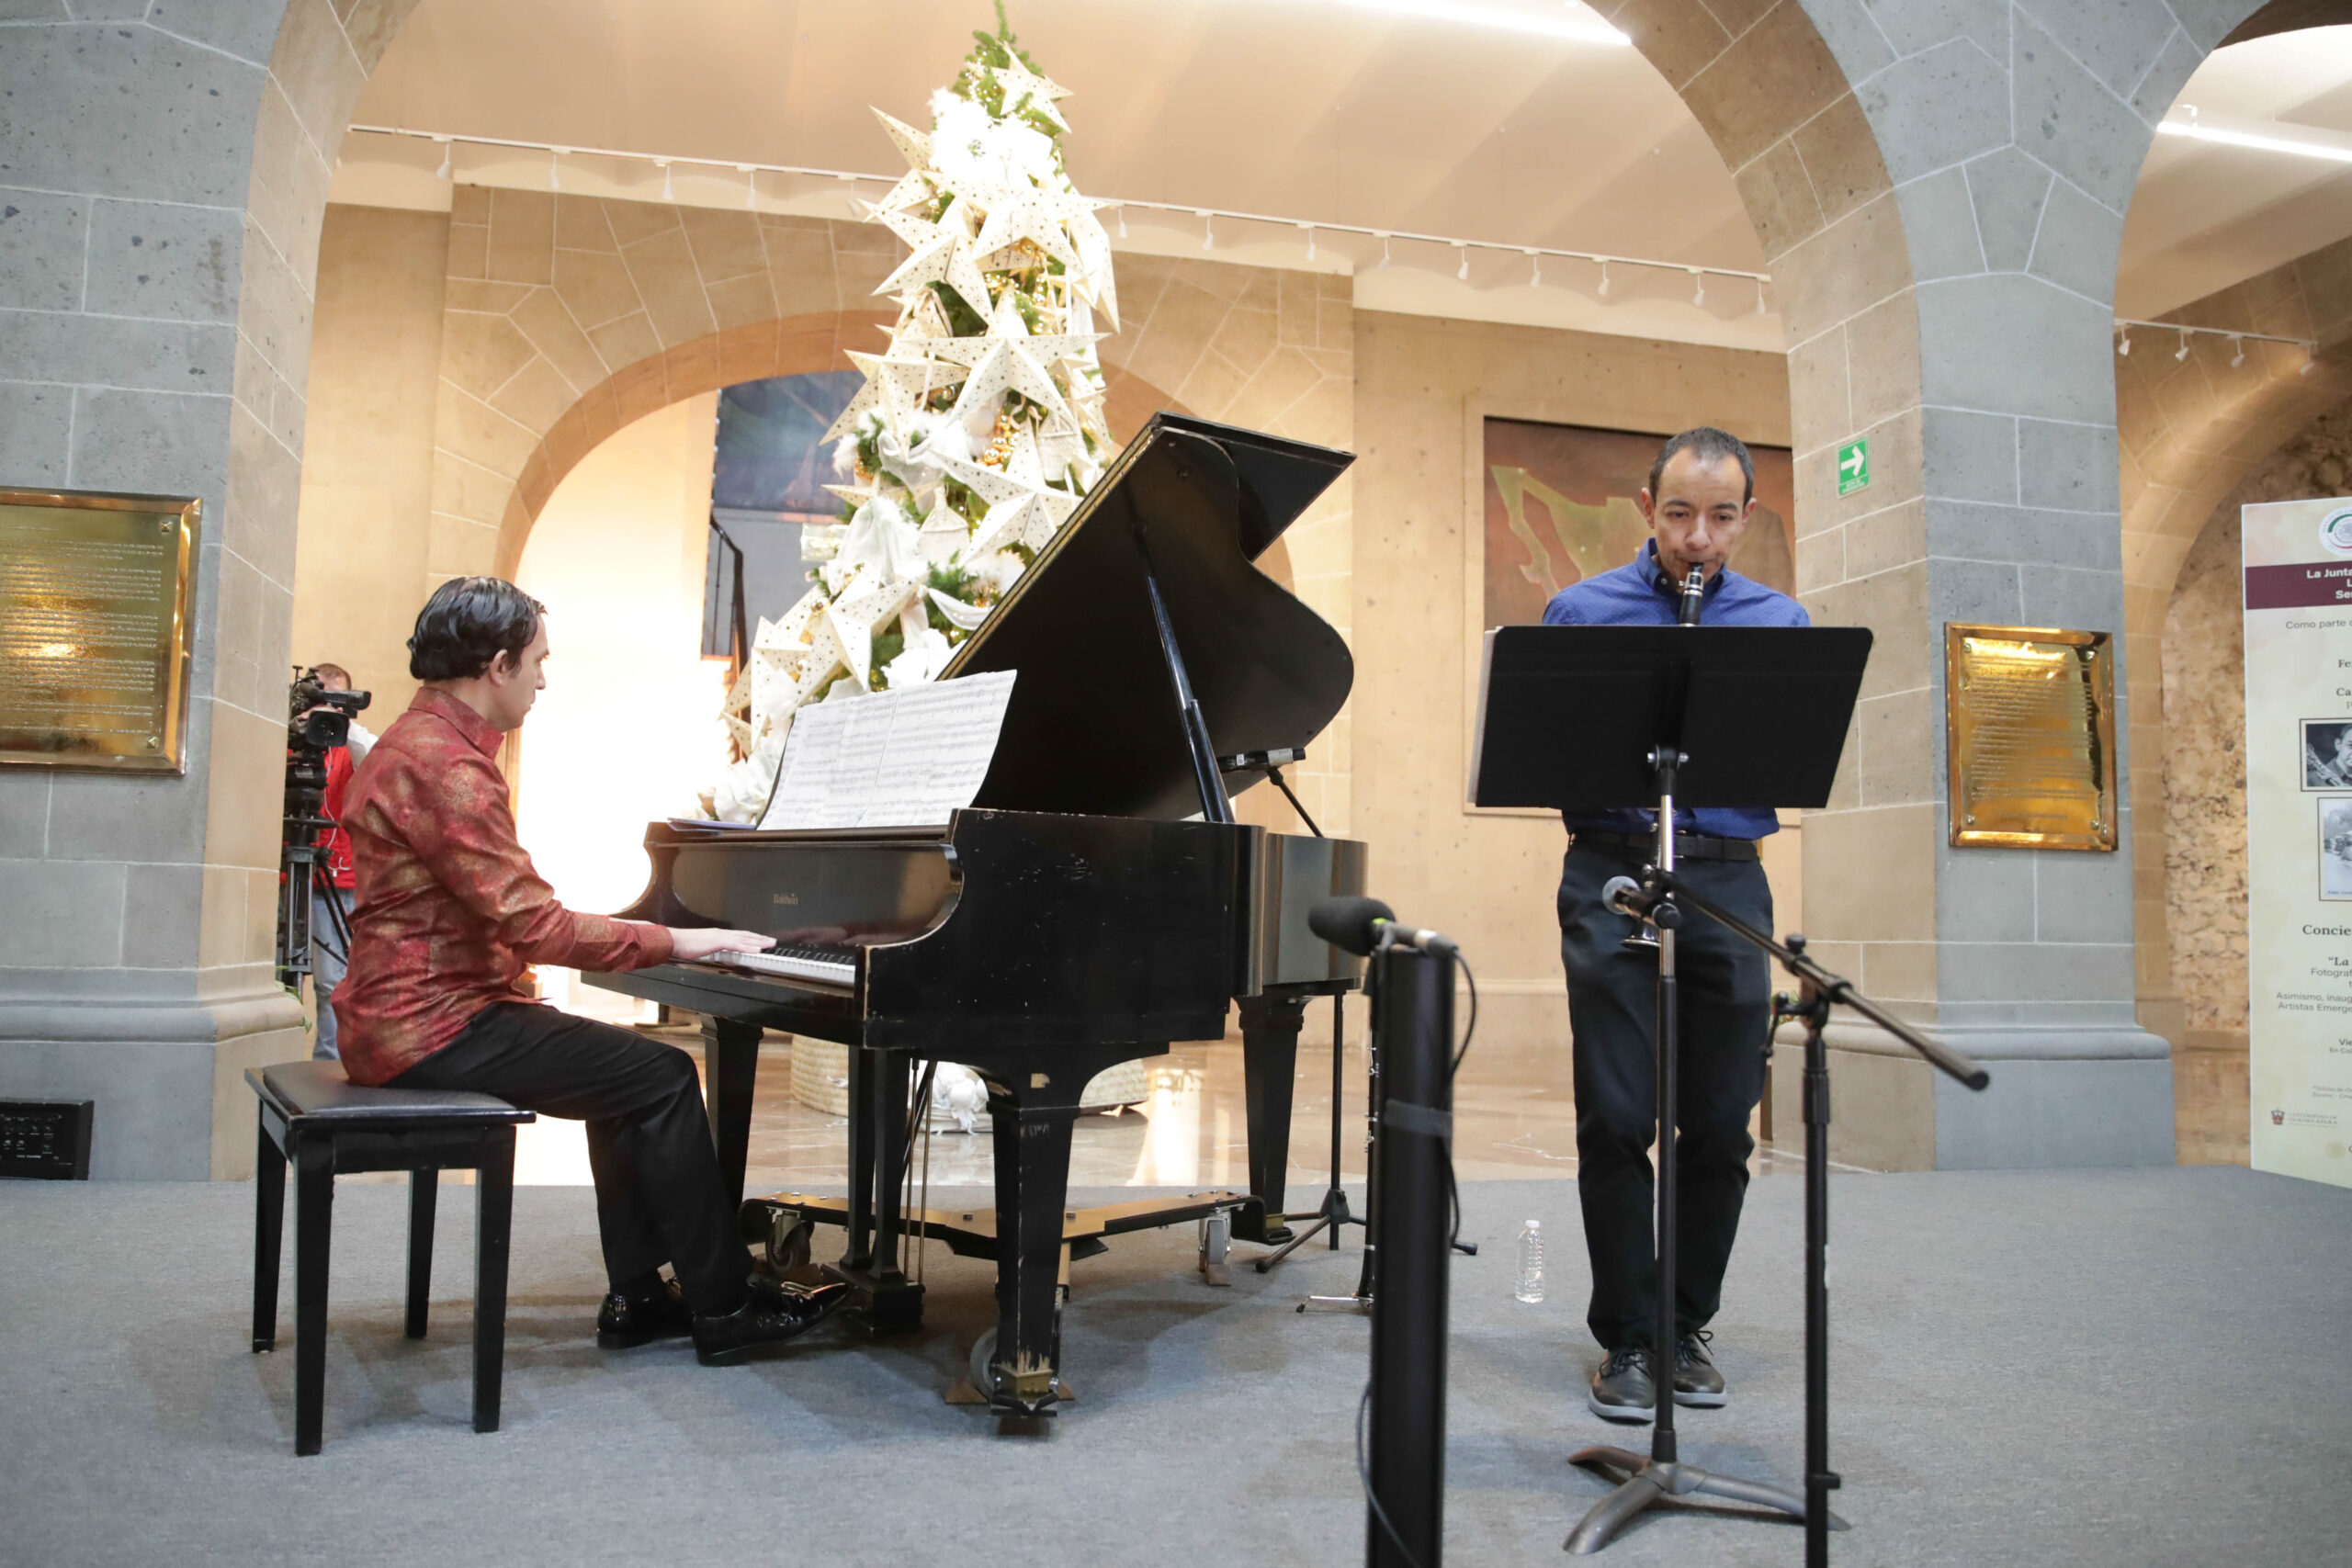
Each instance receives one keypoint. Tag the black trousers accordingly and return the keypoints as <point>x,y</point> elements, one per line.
<point>1613,1005</point>
<point>659,1198</point>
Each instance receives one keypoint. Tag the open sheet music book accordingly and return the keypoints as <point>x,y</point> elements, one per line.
<point>907,758</point>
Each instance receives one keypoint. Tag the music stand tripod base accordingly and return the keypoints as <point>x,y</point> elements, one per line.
<point>1649,1481</point>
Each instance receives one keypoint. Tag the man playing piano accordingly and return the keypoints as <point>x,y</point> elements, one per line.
<point>448,911</point>
<point>1701,492</point>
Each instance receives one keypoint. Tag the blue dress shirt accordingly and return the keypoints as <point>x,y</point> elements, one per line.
<point>1639,593</point>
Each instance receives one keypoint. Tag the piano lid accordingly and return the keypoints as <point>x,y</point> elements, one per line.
<point>1093,726</point>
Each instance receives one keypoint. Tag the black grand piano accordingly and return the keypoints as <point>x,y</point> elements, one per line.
<point>1096,902</point>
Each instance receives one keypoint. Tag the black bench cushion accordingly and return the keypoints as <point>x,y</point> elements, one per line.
<point>320,1089</point>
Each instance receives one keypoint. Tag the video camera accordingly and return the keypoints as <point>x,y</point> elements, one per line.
<point>309,731</point>
<point>318,720</point>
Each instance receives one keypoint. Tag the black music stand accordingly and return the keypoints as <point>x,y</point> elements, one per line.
<point>1667,717</point>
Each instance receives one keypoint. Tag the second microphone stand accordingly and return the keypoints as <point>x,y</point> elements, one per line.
<point>1660,1476</point>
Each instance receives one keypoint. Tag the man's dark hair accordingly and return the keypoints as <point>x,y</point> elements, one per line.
<point>1709,445</point>
<point>466,623</point>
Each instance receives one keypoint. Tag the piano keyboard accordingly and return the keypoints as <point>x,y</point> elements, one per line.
<point>793,963</point>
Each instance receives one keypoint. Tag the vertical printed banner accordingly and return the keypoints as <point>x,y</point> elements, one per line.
<point>2298,835</point>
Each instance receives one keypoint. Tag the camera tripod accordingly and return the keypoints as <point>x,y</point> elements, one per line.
<point>304,884</point>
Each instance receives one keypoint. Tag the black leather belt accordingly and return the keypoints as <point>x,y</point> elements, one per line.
<point>1635,849</point>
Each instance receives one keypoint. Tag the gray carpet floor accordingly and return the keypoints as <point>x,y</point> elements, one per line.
<point>2123,1368</point>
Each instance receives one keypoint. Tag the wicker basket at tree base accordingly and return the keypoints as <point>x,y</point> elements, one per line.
<point>821,1081</point>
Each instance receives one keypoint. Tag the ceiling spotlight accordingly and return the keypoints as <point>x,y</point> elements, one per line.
<point>1462,272</point>
<point>1384,255</point>
<point>2239,357</point>
<point>1604,280</point>
<point>1699,290</point>
<point>1759,296</point>
<point>1310,240</point>
<point>1208,228</point>
<point>443,172</point>
<point>666,195</point>
<point>555,176</point>
<point>2182,351</point>
<point>2123,340</point>
<point>751,183</point>
<point>2310,361</point>
<point>1535,269</point>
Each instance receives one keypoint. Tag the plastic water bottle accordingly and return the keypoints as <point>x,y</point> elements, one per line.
<point>1531,1263</point>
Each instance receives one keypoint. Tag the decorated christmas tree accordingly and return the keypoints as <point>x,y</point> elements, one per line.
<point>976,432</point>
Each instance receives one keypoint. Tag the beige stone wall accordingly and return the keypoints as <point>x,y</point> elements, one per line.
<point>1282,352</point>
<point>367,478</point>
<point>2191,428</point>
<point>2204,732</point>
<point>2204,784</point>
<point>1271,351</point>
<point>1423,389</point>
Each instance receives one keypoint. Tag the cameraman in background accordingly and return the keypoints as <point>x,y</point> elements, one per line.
<point>330,937</point>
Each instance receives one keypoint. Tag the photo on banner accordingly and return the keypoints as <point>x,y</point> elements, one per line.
<point>1561,505</point>
<point>2298,581</point>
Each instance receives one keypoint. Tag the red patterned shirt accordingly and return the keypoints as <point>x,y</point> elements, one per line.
<point>449,909</point>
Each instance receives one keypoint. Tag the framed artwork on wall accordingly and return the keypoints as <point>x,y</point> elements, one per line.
<point>1549,504</point>
<point>1560,507</point>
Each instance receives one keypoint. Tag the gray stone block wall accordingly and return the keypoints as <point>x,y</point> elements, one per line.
<point>2013,134</point>
<point>162,170</point>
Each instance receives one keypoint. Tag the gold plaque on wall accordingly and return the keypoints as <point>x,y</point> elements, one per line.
<point>2029,730</point>
<point>97,627</point>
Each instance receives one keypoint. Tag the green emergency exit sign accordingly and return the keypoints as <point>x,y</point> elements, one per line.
<point>1853,465</point>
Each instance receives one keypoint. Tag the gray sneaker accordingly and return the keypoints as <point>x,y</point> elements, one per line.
<point>1622,1390</point>
<point>1696,1380</point>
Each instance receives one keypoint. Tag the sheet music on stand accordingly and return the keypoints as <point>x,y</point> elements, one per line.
<point>907,758</point>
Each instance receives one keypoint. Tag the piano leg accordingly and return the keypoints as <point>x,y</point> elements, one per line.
<point>879,1087</point>
<point>1269,1026</point>
<point>730,1068</point>
<point>1032,1146</point>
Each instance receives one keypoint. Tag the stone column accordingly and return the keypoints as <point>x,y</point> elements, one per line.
<point>2013,135</point>
<point>155,262</point>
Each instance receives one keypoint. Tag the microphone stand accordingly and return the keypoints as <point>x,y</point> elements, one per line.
<point>1819,989</point>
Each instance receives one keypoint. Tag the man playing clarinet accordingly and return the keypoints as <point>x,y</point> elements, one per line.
<point>1701,492</point>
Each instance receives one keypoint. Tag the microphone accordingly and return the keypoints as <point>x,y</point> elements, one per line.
<point>1627,896</point>
<point>1694,591</point>
<point>1616,892</point>
<point>1362,925</point>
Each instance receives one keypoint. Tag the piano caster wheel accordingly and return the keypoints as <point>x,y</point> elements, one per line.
<point>788,1243</point>
<point>983,1352</point>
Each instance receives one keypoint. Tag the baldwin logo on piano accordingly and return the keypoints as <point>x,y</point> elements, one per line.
<point>788,899</point>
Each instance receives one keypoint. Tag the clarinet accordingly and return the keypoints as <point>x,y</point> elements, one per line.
<point>1694,590</point>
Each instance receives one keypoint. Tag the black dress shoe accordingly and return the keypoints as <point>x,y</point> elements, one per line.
<point>772,1314</point>
<point>1622,1390</point>
<point>628,1321</point>
<point>1696,1380</point>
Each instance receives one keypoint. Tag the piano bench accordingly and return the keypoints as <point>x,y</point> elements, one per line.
<point>318,1120</point>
